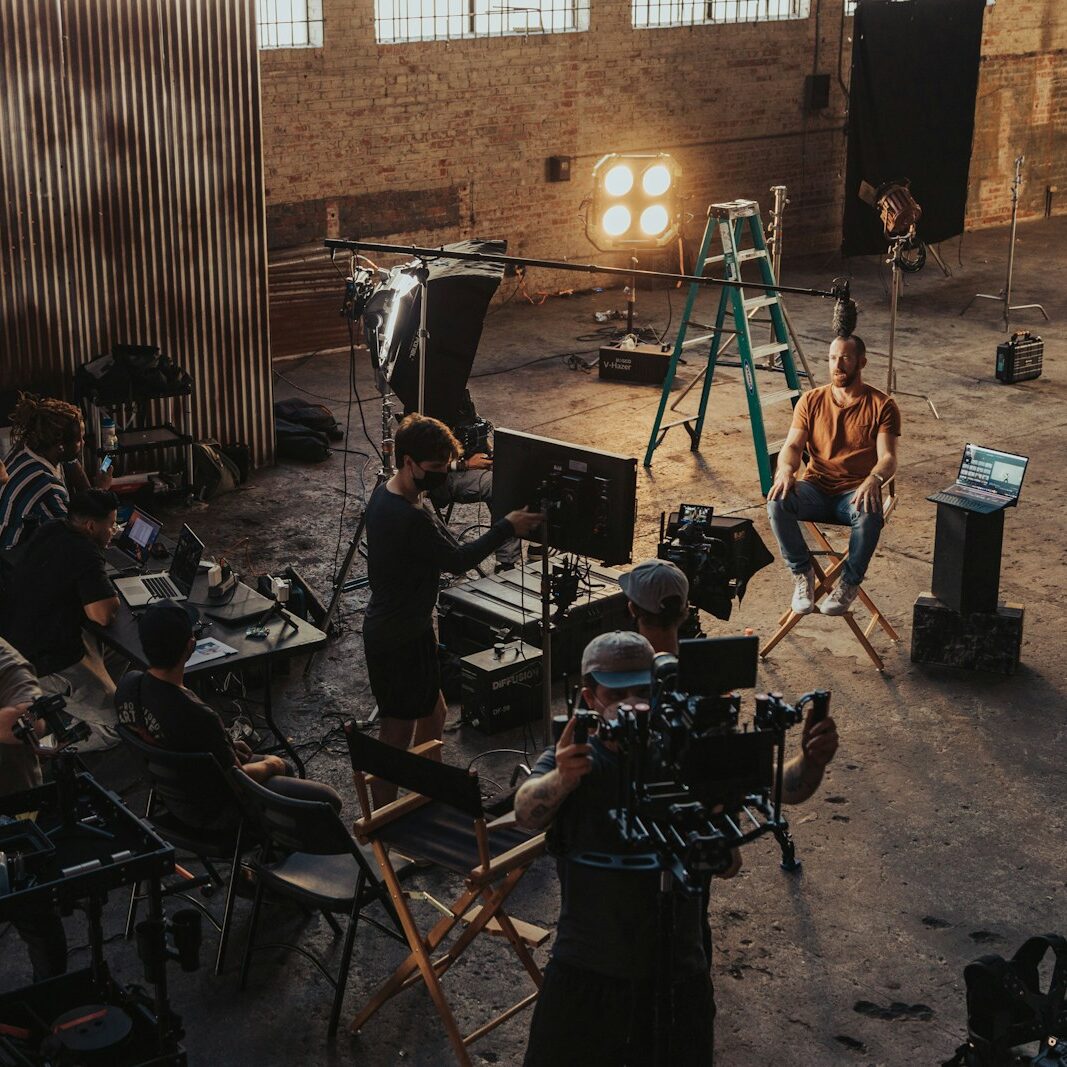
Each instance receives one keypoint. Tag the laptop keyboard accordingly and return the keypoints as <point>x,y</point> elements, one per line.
<point>984,506</point>
<point>160,588</point>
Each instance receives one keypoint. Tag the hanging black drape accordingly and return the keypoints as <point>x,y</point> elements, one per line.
<point>911,112</point>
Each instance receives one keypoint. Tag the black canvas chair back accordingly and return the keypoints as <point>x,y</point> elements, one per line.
<point>441,820</point>
<point>436,781</point>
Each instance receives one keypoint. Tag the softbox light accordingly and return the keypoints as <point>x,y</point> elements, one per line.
<point>458,293</point>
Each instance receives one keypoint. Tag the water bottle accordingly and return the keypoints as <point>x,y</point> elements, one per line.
<point>109,439</point>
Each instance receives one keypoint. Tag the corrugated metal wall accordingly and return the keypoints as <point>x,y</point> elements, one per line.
<point>131,180</point>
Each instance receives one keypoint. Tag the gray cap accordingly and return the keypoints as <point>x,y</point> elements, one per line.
<point>618,660</point>
<point>652,581</point>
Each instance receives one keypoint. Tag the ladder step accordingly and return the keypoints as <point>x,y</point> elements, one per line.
<point>769,350</point>
<point>760,302</point>
<point>777,398</point>
<point>743,256</point>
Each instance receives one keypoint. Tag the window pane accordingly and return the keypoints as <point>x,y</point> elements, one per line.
<point>289,23</point>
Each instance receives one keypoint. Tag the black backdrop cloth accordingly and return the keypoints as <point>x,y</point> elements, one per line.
<point>911,112</point>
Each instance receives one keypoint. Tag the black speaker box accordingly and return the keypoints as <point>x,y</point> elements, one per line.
<point>967,549</point>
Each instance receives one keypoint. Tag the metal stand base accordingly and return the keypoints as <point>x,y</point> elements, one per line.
<point>1004,296</point>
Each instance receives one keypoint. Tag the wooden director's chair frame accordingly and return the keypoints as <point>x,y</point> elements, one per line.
<point>825,576</point>
<point>488,884</point>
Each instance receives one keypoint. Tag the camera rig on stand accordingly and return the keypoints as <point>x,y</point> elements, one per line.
<point>717,555</point>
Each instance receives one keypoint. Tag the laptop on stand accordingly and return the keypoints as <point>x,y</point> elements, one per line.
<point>175,584</point>
<point>133,547</point>
<point>988,481</point>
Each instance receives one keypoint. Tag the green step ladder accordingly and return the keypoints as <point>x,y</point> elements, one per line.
<point>730,221</point>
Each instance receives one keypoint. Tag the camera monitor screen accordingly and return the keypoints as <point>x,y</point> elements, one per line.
<point>592,495</point>
<point>711,666</point>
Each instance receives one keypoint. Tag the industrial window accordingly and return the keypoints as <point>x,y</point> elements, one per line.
<point>289,23</point>
<point>447,20</point>
<point>651,13</point>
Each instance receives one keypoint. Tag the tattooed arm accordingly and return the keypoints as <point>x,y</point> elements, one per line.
<point>538,799</point>
<point>804,772</point>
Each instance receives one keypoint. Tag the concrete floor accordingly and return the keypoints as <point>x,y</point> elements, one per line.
<point>936,835</point>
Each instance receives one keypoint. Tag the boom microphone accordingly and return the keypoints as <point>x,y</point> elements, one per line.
<point>845,315</point>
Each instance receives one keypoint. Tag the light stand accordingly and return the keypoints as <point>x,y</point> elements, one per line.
<point>1004,296</point>
<point>341,584</point>
<point>896,250</point>
<point>546,626</point>
<point>631,298</point>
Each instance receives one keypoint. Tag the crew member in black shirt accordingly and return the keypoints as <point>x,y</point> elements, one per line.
<point>407,550</point>
<point>158,706</point>
<point>58,582</point>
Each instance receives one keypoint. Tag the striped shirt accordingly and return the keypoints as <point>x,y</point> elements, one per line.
<point>34,493</point>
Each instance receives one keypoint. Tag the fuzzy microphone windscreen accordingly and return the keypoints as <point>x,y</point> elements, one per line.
<point>845,315</point>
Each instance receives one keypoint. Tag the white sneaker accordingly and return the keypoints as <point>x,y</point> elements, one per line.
<point>803,592</point>
<point>840,600</point>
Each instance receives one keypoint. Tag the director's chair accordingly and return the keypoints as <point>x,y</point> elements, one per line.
<point>441,820</point>
<point>825,577</point>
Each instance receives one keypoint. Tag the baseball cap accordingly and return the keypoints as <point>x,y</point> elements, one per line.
<point>165,630</point>
<point>618,660</point>
<point>651,582</point>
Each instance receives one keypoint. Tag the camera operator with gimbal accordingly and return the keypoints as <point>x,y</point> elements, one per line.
<point>597,1005</point>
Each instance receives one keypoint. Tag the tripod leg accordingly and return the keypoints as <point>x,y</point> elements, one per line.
<point>342,574</point>
<point>788,847</point>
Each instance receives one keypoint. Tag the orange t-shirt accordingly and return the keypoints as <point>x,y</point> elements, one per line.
<point>842,441</point>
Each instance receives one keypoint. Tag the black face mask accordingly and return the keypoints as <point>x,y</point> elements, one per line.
<point>431,480</point>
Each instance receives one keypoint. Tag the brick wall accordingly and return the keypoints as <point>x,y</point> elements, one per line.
<point>431,142</point>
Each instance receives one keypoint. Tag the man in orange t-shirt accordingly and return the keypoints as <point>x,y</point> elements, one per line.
<point>849,431</point>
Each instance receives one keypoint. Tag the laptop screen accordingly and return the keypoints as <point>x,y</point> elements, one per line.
<point>139,535</point>
<point>995,472</point>
<point>187,553</point>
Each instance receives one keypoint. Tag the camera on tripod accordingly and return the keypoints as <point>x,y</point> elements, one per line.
<point>717,555</point>
<point>694,781</point>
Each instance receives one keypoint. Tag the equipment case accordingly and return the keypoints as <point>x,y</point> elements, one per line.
<point>1021,358</point>
<point>475,615</point>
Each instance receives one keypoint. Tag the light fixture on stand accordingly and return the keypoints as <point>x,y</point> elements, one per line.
<point>636,205</point>
<point>1004,296</point>
<point>900,213</point>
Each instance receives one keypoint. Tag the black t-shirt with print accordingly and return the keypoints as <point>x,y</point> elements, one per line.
<point>54,575</point>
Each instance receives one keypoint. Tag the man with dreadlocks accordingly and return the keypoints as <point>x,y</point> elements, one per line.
<point>43,469</point>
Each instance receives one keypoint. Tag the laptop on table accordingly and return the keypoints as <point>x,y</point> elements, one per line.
<point>175,584</point>
<point>133,547</point>
<point>988,481</point>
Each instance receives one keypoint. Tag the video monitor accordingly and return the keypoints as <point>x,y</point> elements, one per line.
<point>711,666</point>
<point>592,495</point>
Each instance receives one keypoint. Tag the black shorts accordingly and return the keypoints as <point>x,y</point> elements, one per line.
<point>406,679</point>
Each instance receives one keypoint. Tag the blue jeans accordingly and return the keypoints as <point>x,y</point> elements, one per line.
<point>808,503</point>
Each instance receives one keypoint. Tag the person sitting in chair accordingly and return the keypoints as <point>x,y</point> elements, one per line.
<point>43,469</point>
<point>849,430</point>
<point>157,706</point>
<point>58,583</point>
